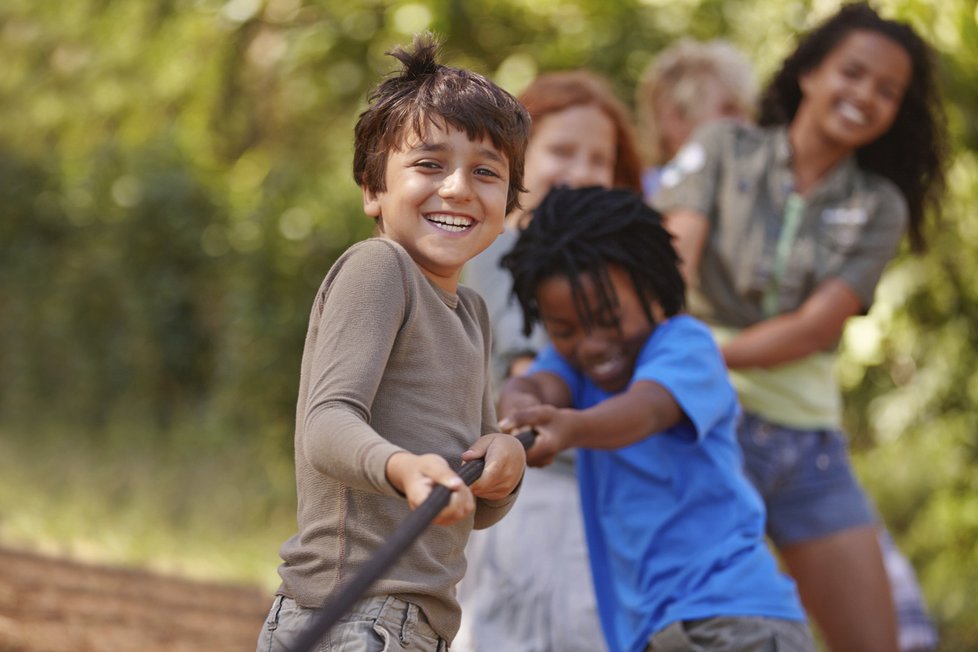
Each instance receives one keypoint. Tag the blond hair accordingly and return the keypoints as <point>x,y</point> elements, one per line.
<point>679,75</point>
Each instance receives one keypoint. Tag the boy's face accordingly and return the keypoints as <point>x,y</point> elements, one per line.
<point>445,200</point>
<point>607,352</point>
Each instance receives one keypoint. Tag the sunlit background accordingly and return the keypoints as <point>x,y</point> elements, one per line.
<point>175,181</point>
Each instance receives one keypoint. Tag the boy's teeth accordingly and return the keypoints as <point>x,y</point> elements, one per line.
<point>451,222</point>
<point>450,227</point>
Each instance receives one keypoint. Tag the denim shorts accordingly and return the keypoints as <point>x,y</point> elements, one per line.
<point>805,479</point>
<point>374,624</point>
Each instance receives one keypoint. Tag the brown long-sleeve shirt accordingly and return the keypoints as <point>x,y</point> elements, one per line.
<point>390,363</point>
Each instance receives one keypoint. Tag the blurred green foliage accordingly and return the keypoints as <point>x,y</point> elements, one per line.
<point>176,181</point>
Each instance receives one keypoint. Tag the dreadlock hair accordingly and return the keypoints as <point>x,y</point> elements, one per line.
<point>913,153</point>
<point>584,230</point>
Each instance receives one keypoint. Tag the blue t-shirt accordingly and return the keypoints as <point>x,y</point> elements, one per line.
<point>675,530</point>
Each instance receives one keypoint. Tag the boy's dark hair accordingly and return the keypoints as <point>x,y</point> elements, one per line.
<point>578,230</point>
<point>912,154</point>
<point>426,91</point>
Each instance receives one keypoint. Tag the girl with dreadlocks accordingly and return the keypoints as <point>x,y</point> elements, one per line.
<point>784,232</point>
<point>675,531</point>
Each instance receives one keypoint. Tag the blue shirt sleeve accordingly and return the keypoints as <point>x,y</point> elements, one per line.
<point>682,356</point>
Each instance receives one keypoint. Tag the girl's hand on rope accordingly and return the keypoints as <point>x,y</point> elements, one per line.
<point>416,475</point>
<point>505,462</point>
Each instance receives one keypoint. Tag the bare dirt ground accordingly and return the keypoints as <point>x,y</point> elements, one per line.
<point>54,605</point>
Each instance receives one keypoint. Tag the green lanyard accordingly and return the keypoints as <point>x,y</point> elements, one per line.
<point>794,208</point>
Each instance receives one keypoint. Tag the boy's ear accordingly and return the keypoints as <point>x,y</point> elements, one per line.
<point>371,203</point>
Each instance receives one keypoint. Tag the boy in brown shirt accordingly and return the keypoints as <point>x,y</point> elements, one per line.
<point>394,390</point>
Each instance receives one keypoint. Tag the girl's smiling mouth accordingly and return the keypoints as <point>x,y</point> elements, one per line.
<point>852,113</point>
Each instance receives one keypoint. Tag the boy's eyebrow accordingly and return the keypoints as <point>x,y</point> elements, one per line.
<point>488,152</point>
<point>492,154</point>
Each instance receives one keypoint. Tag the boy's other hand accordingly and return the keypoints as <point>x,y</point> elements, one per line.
<point>416,475</point>
<point>553,426</point>
<point>505,462</point>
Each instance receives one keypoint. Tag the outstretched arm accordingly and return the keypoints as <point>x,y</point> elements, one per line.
<point>644,408</point>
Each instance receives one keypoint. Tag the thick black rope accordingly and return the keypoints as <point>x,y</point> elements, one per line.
<point>412,527</point>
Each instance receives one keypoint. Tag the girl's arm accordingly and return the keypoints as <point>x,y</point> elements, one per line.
<point>815,326</point>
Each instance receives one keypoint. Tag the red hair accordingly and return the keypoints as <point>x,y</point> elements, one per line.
<point>557,91</point>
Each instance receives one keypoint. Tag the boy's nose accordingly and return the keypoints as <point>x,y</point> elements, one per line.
<point>456,185</point>
<point>591,346</point>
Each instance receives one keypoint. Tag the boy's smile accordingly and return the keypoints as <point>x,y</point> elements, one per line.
<point>606,349</point>
<point>445,200</point>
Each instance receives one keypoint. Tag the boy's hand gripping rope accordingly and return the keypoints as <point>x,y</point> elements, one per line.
<point>412,527</point>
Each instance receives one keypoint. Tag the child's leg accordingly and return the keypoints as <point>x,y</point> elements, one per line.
<point>772,461</point>
<point>373,624</point>
<point>826,529</point>
<point>843,585</point>
<point>726,634</point>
